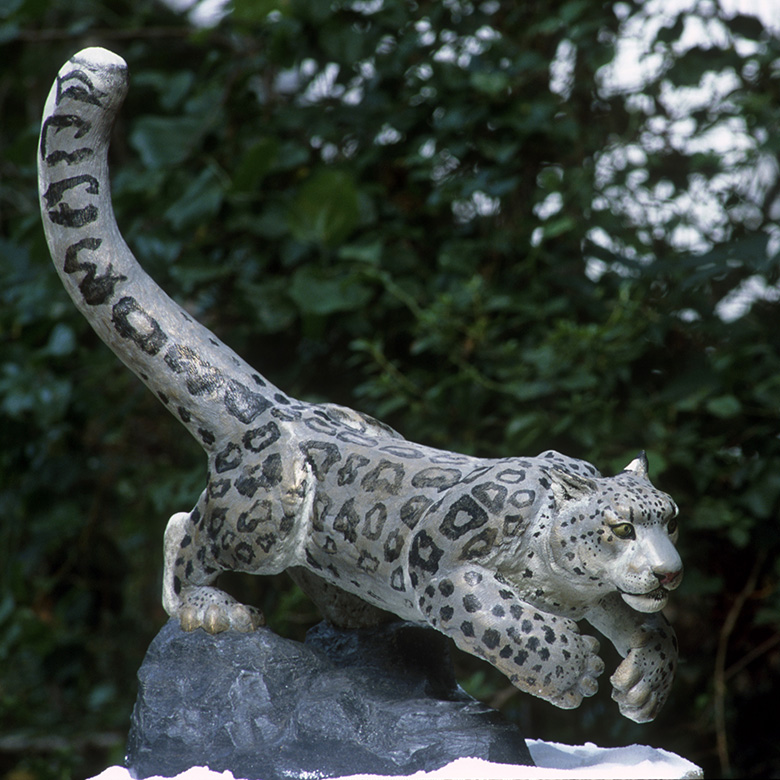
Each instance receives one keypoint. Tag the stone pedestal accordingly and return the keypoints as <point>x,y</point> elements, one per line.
<point>378,701</point>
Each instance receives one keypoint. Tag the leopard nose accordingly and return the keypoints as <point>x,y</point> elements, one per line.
<point>669,579</point>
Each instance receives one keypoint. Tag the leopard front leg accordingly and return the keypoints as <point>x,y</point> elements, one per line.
<point>642,681</point>
<point>541,654</point>
<point>187,590</point>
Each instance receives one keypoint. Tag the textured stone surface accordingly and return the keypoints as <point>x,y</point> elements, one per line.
<point>379,701</point>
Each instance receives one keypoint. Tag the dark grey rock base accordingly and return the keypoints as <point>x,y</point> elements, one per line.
<point>376,701</point>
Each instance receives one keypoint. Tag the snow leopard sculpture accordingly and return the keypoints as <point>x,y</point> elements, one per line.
<point>502,555</point>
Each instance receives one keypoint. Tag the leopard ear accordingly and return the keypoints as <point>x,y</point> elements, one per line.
<point>567,486</point>
<point>639,466</point>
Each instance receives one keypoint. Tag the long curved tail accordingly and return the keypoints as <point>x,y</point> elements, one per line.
<point>206,385</point>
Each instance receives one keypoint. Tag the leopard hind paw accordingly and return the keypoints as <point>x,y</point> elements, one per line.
<point>214,611</point>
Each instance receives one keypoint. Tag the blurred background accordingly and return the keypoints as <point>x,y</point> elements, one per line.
<point>498,227</point>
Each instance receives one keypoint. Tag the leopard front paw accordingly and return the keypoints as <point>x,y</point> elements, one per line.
<point>585,667</point>
<point>641,684</point>
<point>214,611</point>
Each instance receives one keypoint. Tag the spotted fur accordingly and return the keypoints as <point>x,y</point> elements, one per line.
<point>503,555</point>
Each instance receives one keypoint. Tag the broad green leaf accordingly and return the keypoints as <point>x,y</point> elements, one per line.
<point>258,161</point>
<point>492,83</point>
<point>724,406</point>
<point>320,292</point>
<point>326,209</point>
<point>200,202</point>
<point>275,311</point>
<point>343,42</point>
<point>557,227</point>
<point>166,141</point>
<point>172,87</point>
<point>364,252</point>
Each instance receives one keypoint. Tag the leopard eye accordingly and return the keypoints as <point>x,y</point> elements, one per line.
<point>624,531</point>
<point>671,526</point>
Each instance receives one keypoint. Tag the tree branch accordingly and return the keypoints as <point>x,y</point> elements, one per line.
<point>720,676</point>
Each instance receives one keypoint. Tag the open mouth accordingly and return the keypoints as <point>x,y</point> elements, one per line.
<point>653,601</point>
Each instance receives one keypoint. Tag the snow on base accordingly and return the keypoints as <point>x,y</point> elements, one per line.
<point>554,761</point>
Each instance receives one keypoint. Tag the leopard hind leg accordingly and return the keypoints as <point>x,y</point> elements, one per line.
<point>188,590</point>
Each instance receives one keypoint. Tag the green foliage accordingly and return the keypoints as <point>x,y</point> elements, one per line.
<point>386,205</point>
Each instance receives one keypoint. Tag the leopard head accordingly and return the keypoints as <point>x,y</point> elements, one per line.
<point>617,533</point>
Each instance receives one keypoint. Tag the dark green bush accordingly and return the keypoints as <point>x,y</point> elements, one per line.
<point>386,205</point>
